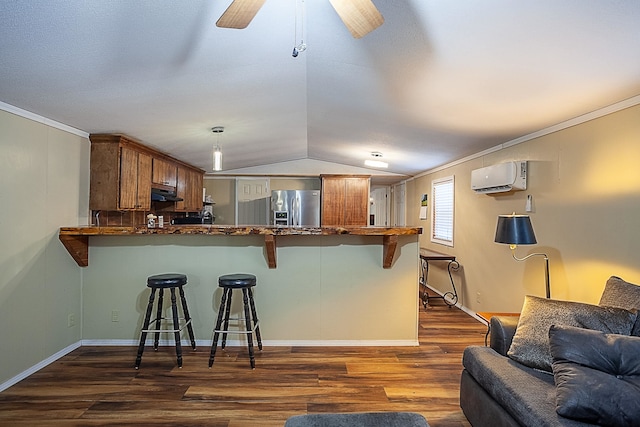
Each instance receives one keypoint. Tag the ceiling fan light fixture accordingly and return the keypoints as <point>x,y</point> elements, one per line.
<point>375,163</point>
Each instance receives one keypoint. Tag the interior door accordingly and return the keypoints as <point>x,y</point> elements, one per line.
<point>399,205</point>
<point>379,206</point>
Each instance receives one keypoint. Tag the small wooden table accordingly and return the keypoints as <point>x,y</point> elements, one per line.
<point>487,315</point>
<point>426,255</point>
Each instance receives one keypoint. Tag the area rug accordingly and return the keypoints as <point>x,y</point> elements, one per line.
<point>366,419</point>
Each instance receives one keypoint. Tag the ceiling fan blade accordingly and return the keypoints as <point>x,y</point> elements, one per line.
<point>359,16</point>
<point>239,13</point>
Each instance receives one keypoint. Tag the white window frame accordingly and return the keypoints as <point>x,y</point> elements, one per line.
<point>442,233</point>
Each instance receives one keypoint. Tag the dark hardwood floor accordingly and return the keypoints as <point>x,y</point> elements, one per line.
<point>99,386</point>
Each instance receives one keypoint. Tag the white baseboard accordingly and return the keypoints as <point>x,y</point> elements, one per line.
<point>461,307</point>
<point>268,343</point>
<point>35,368</point>
<point>341,343</point>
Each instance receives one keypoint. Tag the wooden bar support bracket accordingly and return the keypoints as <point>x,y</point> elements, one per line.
<point>390,243</point>
<point>78,248</point>
<point>270,247</point>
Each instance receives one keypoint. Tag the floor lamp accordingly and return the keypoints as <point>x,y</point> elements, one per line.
<point>516,230</point>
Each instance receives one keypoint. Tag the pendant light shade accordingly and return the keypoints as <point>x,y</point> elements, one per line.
<point>217,159</point>
<point>217,153</point>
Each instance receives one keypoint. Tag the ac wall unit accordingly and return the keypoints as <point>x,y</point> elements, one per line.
<point>500,178</point>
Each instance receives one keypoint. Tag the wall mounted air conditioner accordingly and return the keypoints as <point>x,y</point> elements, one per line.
<point>500,178</point>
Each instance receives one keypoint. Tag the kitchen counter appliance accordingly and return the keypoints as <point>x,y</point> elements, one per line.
<point>295,208</point>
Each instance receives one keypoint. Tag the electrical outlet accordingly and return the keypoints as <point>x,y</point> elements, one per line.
<point>71,320</point>
<point>478,297</point>
<point>115,315</point>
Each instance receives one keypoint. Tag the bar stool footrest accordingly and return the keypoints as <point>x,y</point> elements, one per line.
<point>187,323</point>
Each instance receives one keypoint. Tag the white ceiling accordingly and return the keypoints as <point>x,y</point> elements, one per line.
<point>438,81</point>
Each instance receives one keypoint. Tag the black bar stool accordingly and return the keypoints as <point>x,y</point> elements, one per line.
<point>160,282</point>
<point>228,283</point>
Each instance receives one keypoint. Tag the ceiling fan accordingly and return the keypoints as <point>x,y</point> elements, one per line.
<point>359,16</point>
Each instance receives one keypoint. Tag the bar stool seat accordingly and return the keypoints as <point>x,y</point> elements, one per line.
<point>228,283</point>
<point>158,283</point>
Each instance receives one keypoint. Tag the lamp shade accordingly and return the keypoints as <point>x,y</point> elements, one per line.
<point>515,230</point>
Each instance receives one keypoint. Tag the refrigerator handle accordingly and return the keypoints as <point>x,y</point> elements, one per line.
<point>295,207</point>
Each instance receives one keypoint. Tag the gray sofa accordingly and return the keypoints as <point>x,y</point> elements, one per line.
<point>509,384</point>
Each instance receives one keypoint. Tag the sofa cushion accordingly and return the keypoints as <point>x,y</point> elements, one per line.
<point>530,345</point>
<point>528,395</point>
<point>622,294</point>
<point>597,376</point>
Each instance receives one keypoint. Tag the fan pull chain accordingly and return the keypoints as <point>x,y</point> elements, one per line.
<point>300,47</point>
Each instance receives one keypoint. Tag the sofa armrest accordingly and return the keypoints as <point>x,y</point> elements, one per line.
<point>503,328</point>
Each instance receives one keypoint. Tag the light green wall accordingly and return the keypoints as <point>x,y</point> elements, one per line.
<point>45,183</point>
<point>325,288</point>
<point>585,184</point>
<point>223,193</point>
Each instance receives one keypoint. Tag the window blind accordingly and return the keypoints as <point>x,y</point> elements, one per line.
<point>442,211</point>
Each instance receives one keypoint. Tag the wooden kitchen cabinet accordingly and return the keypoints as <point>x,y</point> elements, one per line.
<point>164,172</point>
<point>120,175</point>
<point>189,188</point>
<point>345,200</point>
<point>122,172</point>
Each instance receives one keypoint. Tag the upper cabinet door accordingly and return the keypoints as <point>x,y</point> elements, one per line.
<point>164,172</point>
<point>144,182</point>
<point>189,188</point>
<point>345,200</point>
<point>333,195</point>
<point>356,203</point>
<point>128,178</point>
<point>135,180</point>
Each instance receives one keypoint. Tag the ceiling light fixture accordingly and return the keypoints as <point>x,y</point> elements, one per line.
<point>217,153</point>
<point>376,163</point>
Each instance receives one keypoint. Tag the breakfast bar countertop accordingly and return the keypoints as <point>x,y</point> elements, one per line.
<point>76,239</point>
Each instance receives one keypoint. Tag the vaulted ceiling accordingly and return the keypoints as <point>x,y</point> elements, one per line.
<point>438,81</point>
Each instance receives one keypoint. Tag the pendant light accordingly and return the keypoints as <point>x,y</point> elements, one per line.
<point>217,153</point>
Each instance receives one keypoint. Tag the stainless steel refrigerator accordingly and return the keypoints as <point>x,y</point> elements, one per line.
<point>295,208</point>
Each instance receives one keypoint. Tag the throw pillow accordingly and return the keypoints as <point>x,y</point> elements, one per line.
<point>530,345</point>
<point>597,376</point>
<point>618,293</point>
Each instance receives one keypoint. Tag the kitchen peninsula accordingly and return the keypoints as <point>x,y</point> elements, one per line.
<point>329,288</point>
